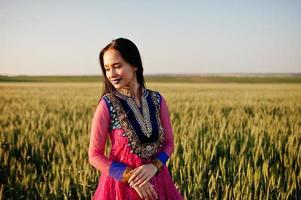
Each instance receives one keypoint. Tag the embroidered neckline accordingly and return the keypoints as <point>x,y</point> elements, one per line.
<point>144,150</point>
<point>142,118</point>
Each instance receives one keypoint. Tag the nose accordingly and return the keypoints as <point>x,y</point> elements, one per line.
<point>112,73</point>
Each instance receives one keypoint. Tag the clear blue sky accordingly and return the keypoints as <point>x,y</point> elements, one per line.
<point>65,37</point>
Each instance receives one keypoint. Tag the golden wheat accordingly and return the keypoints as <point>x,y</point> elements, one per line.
<point>232,141</point>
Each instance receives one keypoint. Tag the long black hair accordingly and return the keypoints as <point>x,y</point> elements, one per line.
<point>130,53</point>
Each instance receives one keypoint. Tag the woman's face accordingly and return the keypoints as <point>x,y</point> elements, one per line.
<point>120,73</point>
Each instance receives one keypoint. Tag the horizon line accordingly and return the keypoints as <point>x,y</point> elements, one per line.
<point>174,74</point>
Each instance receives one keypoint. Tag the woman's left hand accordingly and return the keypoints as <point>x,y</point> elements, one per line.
<point>142,174</point>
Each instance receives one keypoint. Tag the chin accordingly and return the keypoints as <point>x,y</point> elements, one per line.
<point>116,86</point>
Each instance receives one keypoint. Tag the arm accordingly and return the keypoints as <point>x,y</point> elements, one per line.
<point>168,147</point>
<point>98,137</point>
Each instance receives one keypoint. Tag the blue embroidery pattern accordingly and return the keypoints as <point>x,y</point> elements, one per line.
<point>114,119</point>
<point>157,98</point>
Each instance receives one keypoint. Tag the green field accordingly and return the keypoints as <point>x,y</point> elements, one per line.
<point>232,141</point>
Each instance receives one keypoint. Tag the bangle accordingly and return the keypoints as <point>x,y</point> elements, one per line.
<point>127,174</point>
<point>158,164</point>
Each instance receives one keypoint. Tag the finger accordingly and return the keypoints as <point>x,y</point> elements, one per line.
<point>152,188</point>
<point>142,179</point>
<point>149,193</point>
<point>144,194</point>
<point>138,177</point>
<point>134,170</point>
<point>134,181</point>
<point>134,175</point>
<point>139,192</point>
<point>144,182</point>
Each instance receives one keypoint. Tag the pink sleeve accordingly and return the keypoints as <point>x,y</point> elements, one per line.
<point>168,132</point>
<point>98,136</point>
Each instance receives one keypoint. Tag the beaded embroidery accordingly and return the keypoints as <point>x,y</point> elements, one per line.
<point>144,150</point>
<point>143,119</point>
<point>114,120</point>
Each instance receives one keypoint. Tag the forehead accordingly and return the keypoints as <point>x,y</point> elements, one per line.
<point>111,57</point>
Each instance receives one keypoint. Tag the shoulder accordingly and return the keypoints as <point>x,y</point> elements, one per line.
<point>107,98</point>
<point>156,95</point>
<point>105,101</point>
<point>101,110</point>
<point>154,92</point>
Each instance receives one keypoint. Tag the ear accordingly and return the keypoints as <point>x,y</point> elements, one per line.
<point>135,69</point>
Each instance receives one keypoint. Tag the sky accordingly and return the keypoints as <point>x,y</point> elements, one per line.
<point>173,37</point>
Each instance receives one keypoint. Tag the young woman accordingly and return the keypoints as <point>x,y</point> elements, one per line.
<point>136,119</point>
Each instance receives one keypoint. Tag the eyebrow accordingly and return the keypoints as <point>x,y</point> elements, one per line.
<point>113,64</point>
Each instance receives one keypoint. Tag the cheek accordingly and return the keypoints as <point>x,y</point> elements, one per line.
<point>122,72</point>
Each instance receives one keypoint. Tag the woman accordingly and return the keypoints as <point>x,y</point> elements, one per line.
<point>137,122</point>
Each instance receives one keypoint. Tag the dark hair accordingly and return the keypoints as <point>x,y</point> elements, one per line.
<point>130,53</point>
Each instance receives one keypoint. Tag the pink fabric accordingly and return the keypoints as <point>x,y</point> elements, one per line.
<point>111,189</point>
<point>168,132</point>
<point>99,133</point>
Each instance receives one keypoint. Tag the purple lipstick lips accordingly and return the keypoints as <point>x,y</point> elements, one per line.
<point>116,81</point>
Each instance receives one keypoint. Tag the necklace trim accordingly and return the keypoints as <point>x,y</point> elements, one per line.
<point>127,93</point>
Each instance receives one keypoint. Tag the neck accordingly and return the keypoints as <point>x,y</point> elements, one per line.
<point>131,90</point>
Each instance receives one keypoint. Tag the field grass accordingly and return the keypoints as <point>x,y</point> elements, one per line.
<point>294,78</point>
<point>232,141</point>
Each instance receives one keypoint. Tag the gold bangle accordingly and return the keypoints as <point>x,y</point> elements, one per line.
<point>158,164</point>
<point>127,174</point>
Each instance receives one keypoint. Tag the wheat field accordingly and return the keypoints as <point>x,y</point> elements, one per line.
<point>232,141</point>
